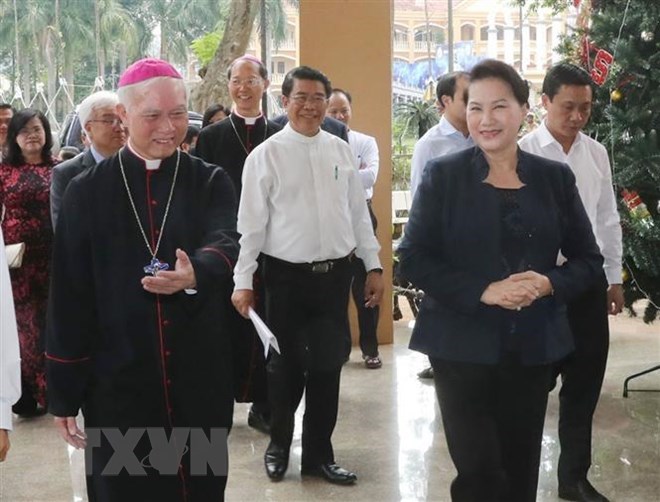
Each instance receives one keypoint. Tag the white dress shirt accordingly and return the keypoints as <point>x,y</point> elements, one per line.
<point>589,162</point>
<point>441,139</point>
<point>365,151</point>
<point>10,360</point>
<point>302,201</point>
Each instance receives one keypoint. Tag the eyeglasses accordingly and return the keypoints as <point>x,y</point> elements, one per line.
<point>109,122</point>
<point>26,131</point>
<point>248,82</point>
<point>302,99</point>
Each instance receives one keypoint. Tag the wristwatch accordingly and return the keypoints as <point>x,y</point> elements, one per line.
<point>378,270</point>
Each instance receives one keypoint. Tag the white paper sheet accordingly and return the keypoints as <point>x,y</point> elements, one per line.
<point>265,334</point>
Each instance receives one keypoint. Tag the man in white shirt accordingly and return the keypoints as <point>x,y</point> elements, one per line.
<point>303,209</point>
<point>567,97</point>
<point>450,134</point>
<point>365,153</point>
<point>10,361</point>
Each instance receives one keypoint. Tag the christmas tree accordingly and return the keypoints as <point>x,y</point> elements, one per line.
<point>618,42</point>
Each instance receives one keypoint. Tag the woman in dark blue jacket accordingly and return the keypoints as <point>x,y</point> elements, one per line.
<point>483,238</point>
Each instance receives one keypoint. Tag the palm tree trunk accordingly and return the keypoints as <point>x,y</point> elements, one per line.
<point>70,77</point>
<point>163,42</point>
<point>24,64</point>
<point>97,39</point>
<point>17,47</point>
<point>428,38</point>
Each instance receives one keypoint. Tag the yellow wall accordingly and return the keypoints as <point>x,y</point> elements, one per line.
<point>350,41</point>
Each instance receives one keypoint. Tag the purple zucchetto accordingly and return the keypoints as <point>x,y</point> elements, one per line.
<point>145,69</point>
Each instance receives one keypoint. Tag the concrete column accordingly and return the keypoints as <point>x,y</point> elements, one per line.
<point>509,35</point>
<point>541,51</point>
<point>491,49</point>
<point>524,57</point>
<point>351,42</point>
<point>557,30</point>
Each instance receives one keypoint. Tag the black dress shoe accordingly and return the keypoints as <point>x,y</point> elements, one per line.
<point>331,472</point>
<point>276,461</point>
<point>259,421</point>
<point>582,491</point>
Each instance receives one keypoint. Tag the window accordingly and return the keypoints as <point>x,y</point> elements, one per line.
<point>435,35</point>
<point>280,67</point>
<point>467,32</point>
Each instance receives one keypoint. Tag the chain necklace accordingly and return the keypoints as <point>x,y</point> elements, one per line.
<point>247,152</point>
<point>155,265</point>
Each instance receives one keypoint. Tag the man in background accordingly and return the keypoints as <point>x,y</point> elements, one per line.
<point>365,152</point>
<point>448,136</point>
<point>567,97</point>
<point>103,128</point>
<point>227,144</point>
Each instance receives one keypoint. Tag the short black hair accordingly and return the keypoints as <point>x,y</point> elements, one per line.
<point>68,152</point>
<point>305,73</point>
<point>14,155</point>
<point>491,68</point>
<point>447,84</point>
<point>191,133</point>
<point>263,71</point>
<point>337,90</point>
<point>7,106</point>
<point>564,74</point>
<point>211,111</point>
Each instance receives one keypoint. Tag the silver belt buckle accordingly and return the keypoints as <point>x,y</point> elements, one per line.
<point>321,267</point>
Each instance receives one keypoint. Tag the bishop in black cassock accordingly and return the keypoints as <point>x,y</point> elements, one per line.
<point>131,359</point>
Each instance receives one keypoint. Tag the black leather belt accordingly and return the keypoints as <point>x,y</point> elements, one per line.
<point>314,267</point>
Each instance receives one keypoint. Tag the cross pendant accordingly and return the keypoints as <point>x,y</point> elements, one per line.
<point>155,266</point>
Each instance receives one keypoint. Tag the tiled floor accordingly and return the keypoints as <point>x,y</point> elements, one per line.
<point>390,433</point>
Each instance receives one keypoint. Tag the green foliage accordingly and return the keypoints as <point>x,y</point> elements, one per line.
<point>416,115</point>
<point>629,130</point>
<point>204,47</point>
<point>534,5</point>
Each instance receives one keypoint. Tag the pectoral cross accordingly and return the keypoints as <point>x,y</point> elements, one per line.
<point>155,266</point>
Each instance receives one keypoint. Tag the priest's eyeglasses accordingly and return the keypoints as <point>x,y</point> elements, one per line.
<point>247,82</point>
<point>112,122</point>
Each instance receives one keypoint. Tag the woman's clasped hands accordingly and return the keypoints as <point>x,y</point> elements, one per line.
<point>517,291</point>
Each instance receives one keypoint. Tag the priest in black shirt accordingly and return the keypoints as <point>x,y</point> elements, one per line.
<point>143,256</point>
<point>227,143</point>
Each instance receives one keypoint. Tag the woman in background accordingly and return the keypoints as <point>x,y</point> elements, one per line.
<point>24,194</point>
<point>214,113</point>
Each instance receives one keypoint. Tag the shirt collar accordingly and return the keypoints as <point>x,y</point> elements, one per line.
<point>150,165</point>
<point>97,156</point>
<point>301,137</point>
<point>447,129</point>
<point>546,138</point>
<point>248,120</point>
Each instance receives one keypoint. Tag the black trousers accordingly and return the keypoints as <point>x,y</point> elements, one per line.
<point>367,317</point>
<point>307,312</point>
<point>582,378</point>
<point>493,419</point>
